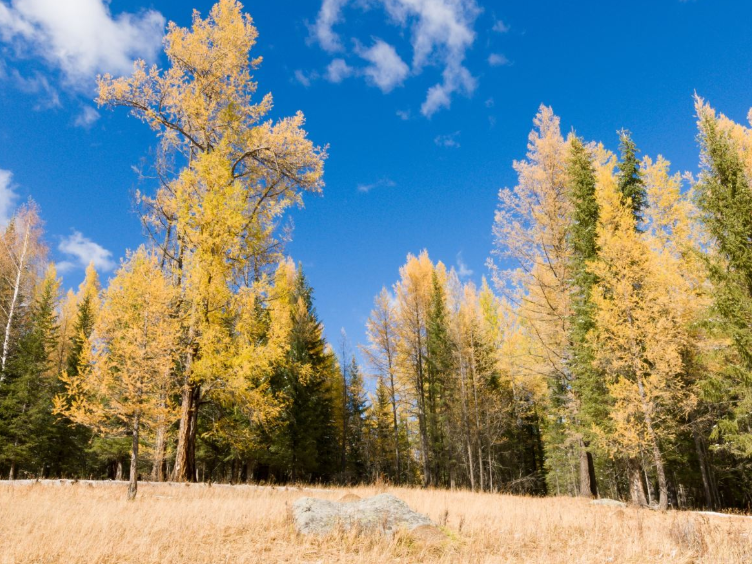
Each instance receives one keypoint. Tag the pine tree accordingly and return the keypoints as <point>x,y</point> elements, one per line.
<point>383,461</point>
<point>305,445</point>
<point>439,366</point>
<point>88,303</point>
<point>73,440</point>
<point>725,200</point>
<point>631,185</point>
<point>26,420</point>
<point>356,423</point>
<point>586,383</point>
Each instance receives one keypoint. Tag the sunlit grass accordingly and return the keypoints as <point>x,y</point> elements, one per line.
<point>200,524</point>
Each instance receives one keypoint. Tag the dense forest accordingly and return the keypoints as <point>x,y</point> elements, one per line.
<point>609,352</point>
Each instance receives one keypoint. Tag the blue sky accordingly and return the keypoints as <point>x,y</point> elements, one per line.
<point>424,104</point>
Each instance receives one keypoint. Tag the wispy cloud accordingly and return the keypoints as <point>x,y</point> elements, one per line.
<point>8,196</point>
<point>382,183</point>
<point>81,251</point>
<point>404,115</point>
<point>440,31</point>
<point>81,38</point>
<point>305,78</point>
<point>450,140</point>
<point>500,27</point>
<point>86,118</point>
<point>498,60</point>
<point>37,84</point>
<point>463,271</point>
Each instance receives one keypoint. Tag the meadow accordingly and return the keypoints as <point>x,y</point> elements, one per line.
<point>169,523</point>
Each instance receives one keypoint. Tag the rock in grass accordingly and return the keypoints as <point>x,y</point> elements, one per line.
<point>608,502</point>
<point>382,513</point>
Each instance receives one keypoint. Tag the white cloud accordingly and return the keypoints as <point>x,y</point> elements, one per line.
<point>498,60</point>
<point>449,141</point>
<point>490,102</point>
<point>384,182</point>
<point>80,37</point>
<point>329,15</point>
<point>441,32</point>
<point>500,27</point>
<point>404,115</point>
<point>82,251</point>
<point>463,271</point>
<point>8,196</point>
<point>338,70</point>
<point>86,118</point>
<point>304,78</point>
<point>387,70</point>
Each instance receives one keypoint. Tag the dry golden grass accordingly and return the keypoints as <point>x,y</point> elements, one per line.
<point>198,524</point>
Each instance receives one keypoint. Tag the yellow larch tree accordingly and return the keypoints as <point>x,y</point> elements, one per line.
<point>216,220</point>
<point>127,374</point>
<point>413,298</point>
<point>381,353</point>
<point>531,231</point>
<point>639,335</point>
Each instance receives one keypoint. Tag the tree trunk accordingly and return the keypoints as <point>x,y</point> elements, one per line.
<point>185,454</point>
<point>699,447</point>
<point>119,470</point>
<point>423,428</point>
<point>12,473</point>
<point>133,483</point>
<point>395,424</point>
<point>490,470</point>
<point>658,459</point>
<point>661,472</point>
<point>636,491</point>
<point>157,471</point>
<point>20,265</point>
<point>587,487</point>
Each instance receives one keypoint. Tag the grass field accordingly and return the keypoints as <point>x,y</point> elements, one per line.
<point>74,523</point>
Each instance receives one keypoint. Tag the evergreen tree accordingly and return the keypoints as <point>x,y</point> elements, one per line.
<point>586,383</point>
<point>631,185</point>
<point>383,460</point>
<point>356,432</point>
<point>439,365</point>
<point>26,421</point>
<point>305,445</point>
<point>725,200</point>
<point>72,441</point>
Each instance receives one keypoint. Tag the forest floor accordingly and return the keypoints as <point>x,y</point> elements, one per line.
<point>71,523</point>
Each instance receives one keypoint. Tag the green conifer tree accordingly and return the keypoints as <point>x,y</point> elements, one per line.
<point>587,386</point>
<point>356,433</point>
<point>725,200</point>
<point>439,365</point>
<point>26,421</point>
<point>631,185</point>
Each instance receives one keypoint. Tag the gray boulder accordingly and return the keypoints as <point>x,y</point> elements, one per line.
<point>382,513</point>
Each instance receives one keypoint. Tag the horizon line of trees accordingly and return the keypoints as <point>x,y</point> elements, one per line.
<point>609,355</point>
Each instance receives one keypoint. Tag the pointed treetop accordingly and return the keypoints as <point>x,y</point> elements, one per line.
<point>631,185</point>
